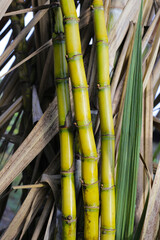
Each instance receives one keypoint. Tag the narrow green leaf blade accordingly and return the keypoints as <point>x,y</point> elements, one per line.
<point>128,156</point>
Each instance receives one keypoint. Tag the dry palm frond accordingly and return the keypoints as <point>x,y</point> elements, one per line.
<point>4,6</point>
<point>118,33</point>
<point>151,224</point>
<point>41,134</point>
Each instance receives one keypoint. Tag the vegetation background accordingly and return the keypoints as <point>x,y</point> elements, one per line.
<point>29,134</point>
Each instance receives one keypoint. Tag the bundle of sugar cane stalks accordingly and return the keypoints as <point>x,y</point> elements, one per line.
<point>83,123</point>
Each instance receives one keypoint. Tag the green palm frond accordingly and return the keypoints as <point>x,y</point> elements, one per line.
<point>129,148</point>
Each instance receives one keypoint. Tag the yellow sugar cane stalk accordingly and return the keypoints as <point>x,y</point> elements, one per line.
<point>66,135</point>
<point>107,127</point>
<point>83,121</point>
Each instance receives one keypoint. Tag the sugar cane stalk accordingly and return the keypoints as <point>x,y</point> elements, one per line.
<point>66,135</point>
<point>83,121</point>
<point>106,122</point>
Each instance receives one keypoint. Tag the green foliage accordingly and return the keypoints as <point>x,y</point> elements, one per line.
<point>157,151</point>
<point>14,199</point>
<point>141,222</point>
<point>128,156</point>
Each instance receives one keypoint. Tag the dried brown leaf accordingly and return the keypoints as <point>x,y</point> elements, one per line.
<point>38,138</point>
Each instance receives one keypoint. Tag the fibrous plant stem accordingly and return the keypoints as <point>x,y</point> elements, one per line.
<point>65,129</point>
<point>106,123</point>
<point>83,121</point>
